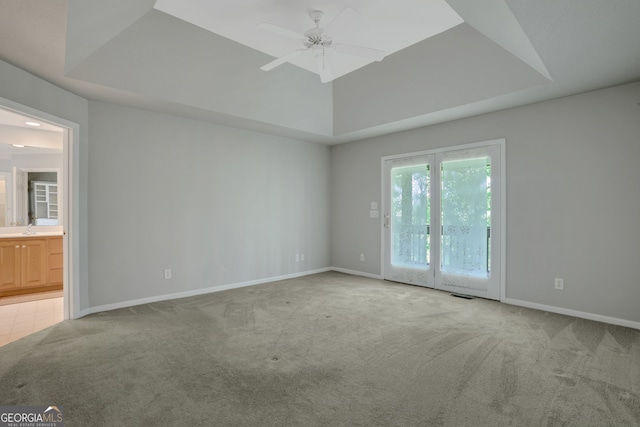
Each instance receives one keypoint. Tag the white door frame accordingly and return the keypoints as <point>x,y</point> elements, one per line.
<point>71,202</point>
<point>503,200</point>
<point>8,181</point>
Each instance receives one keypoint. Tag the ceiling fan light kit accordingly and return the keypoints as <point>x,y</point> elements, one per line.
<point>319,42</point>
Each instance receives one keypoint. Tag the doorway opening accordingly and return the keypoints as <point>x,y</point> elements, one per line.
<point>37,279</point>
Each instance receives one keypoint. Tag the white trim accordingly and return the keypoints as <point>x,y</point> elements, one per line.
<point>503,218</point>
<point>383,213</point>
<point>195,292</point>
<point>356,273</point>
<point>511,301</point>
<point>71,203</point>
<point>526,304</point>
<point>573,313</point>
<point>498,141</point>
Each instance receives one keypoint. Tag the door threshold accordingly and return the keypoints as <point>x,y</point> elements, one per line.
<point>463,296</point>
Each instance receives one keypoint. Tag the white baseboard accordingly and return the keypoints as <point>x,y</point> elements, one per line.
<point>520,303</point>
<point>574,313</point>
<point>131,303</point>
<point>356,273</point>
<point>527,304</point>
<point>82,313</point>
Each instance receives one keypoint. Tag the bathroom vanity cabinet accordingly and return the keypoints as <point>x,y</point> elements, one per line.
<point>30,264</point>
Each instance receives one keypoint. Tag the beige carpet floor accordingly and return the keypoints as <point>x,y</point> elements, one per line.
<point>328,350</point>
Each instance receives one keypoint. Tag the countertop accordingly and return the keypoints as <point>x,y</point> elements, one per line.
<point>37,234</point>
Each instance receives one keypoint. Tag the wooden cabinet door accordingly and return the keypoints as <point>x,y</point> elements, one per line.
<point>34,262</point>
<point>10,251</point>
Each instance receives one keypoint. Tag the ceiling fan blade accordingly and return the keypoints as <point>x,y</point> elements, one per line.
<point>282,31</point>
<point>363,52</point>
<point>286,58</point>
<point>324,67</point>
<point>345,16</point>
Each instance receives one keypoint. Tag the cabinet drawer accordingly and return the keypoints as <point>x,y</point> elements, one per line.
<point>55,261</point>
<point>55,277</point>
<point>55,245</point>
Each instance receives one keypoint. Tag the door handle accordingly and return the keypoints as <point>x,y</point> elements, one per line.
<point>386,220</point>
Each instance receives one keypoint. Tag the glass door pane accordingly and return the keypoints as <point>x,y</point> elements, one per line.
<point>465,210</point>
<point>410,216</point>
<point>469,214</point>
<point>408,256</point>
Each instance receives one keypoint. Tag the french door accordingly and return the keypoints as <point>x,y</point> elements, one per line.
<point>443,219</point>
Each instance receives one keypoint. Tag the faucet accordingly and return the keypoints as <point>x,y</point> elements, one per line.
<point>29,231</point>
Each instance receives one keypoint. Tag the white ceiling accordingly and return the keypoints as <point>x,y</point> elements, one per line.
<point>44,139</point>
<point>506,53</point>
<point>7,151</point>
<point>389,26</point>
<point>11,118</point>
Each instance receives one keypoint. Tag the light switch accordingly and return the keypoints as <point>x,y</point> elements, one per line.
<point>374,206</point>
<point>373,214</point>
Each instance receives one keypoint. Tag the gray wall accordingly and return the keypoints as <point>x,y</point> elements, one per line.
<point>216,205</point>
<point>572,198</point>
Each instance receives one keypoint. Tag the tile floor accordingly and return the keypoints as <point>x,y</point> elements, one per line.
<point>22,319</point>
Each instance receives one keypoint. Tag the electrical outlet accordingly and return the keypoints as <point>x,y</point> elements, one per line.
<point>361,257</point>
<point>167,274</point>
<point>297,258</point>
<point>559,283</point>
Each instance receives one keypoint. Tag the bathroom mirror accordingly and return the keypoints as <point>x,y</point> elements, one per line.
<point>31,164</point>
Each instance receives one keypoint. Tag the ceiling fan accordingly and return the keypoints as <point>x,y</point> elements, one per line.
<point>319,42</point>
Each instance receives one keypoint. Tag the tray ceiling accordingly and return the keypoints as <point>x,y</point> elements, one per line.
<point>389,26</point>
<point>201,59</point>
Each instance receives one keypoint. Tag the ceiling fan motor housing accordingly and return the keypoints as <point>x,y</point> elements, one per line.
<point>316,16</point>
<point>315,37</point>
